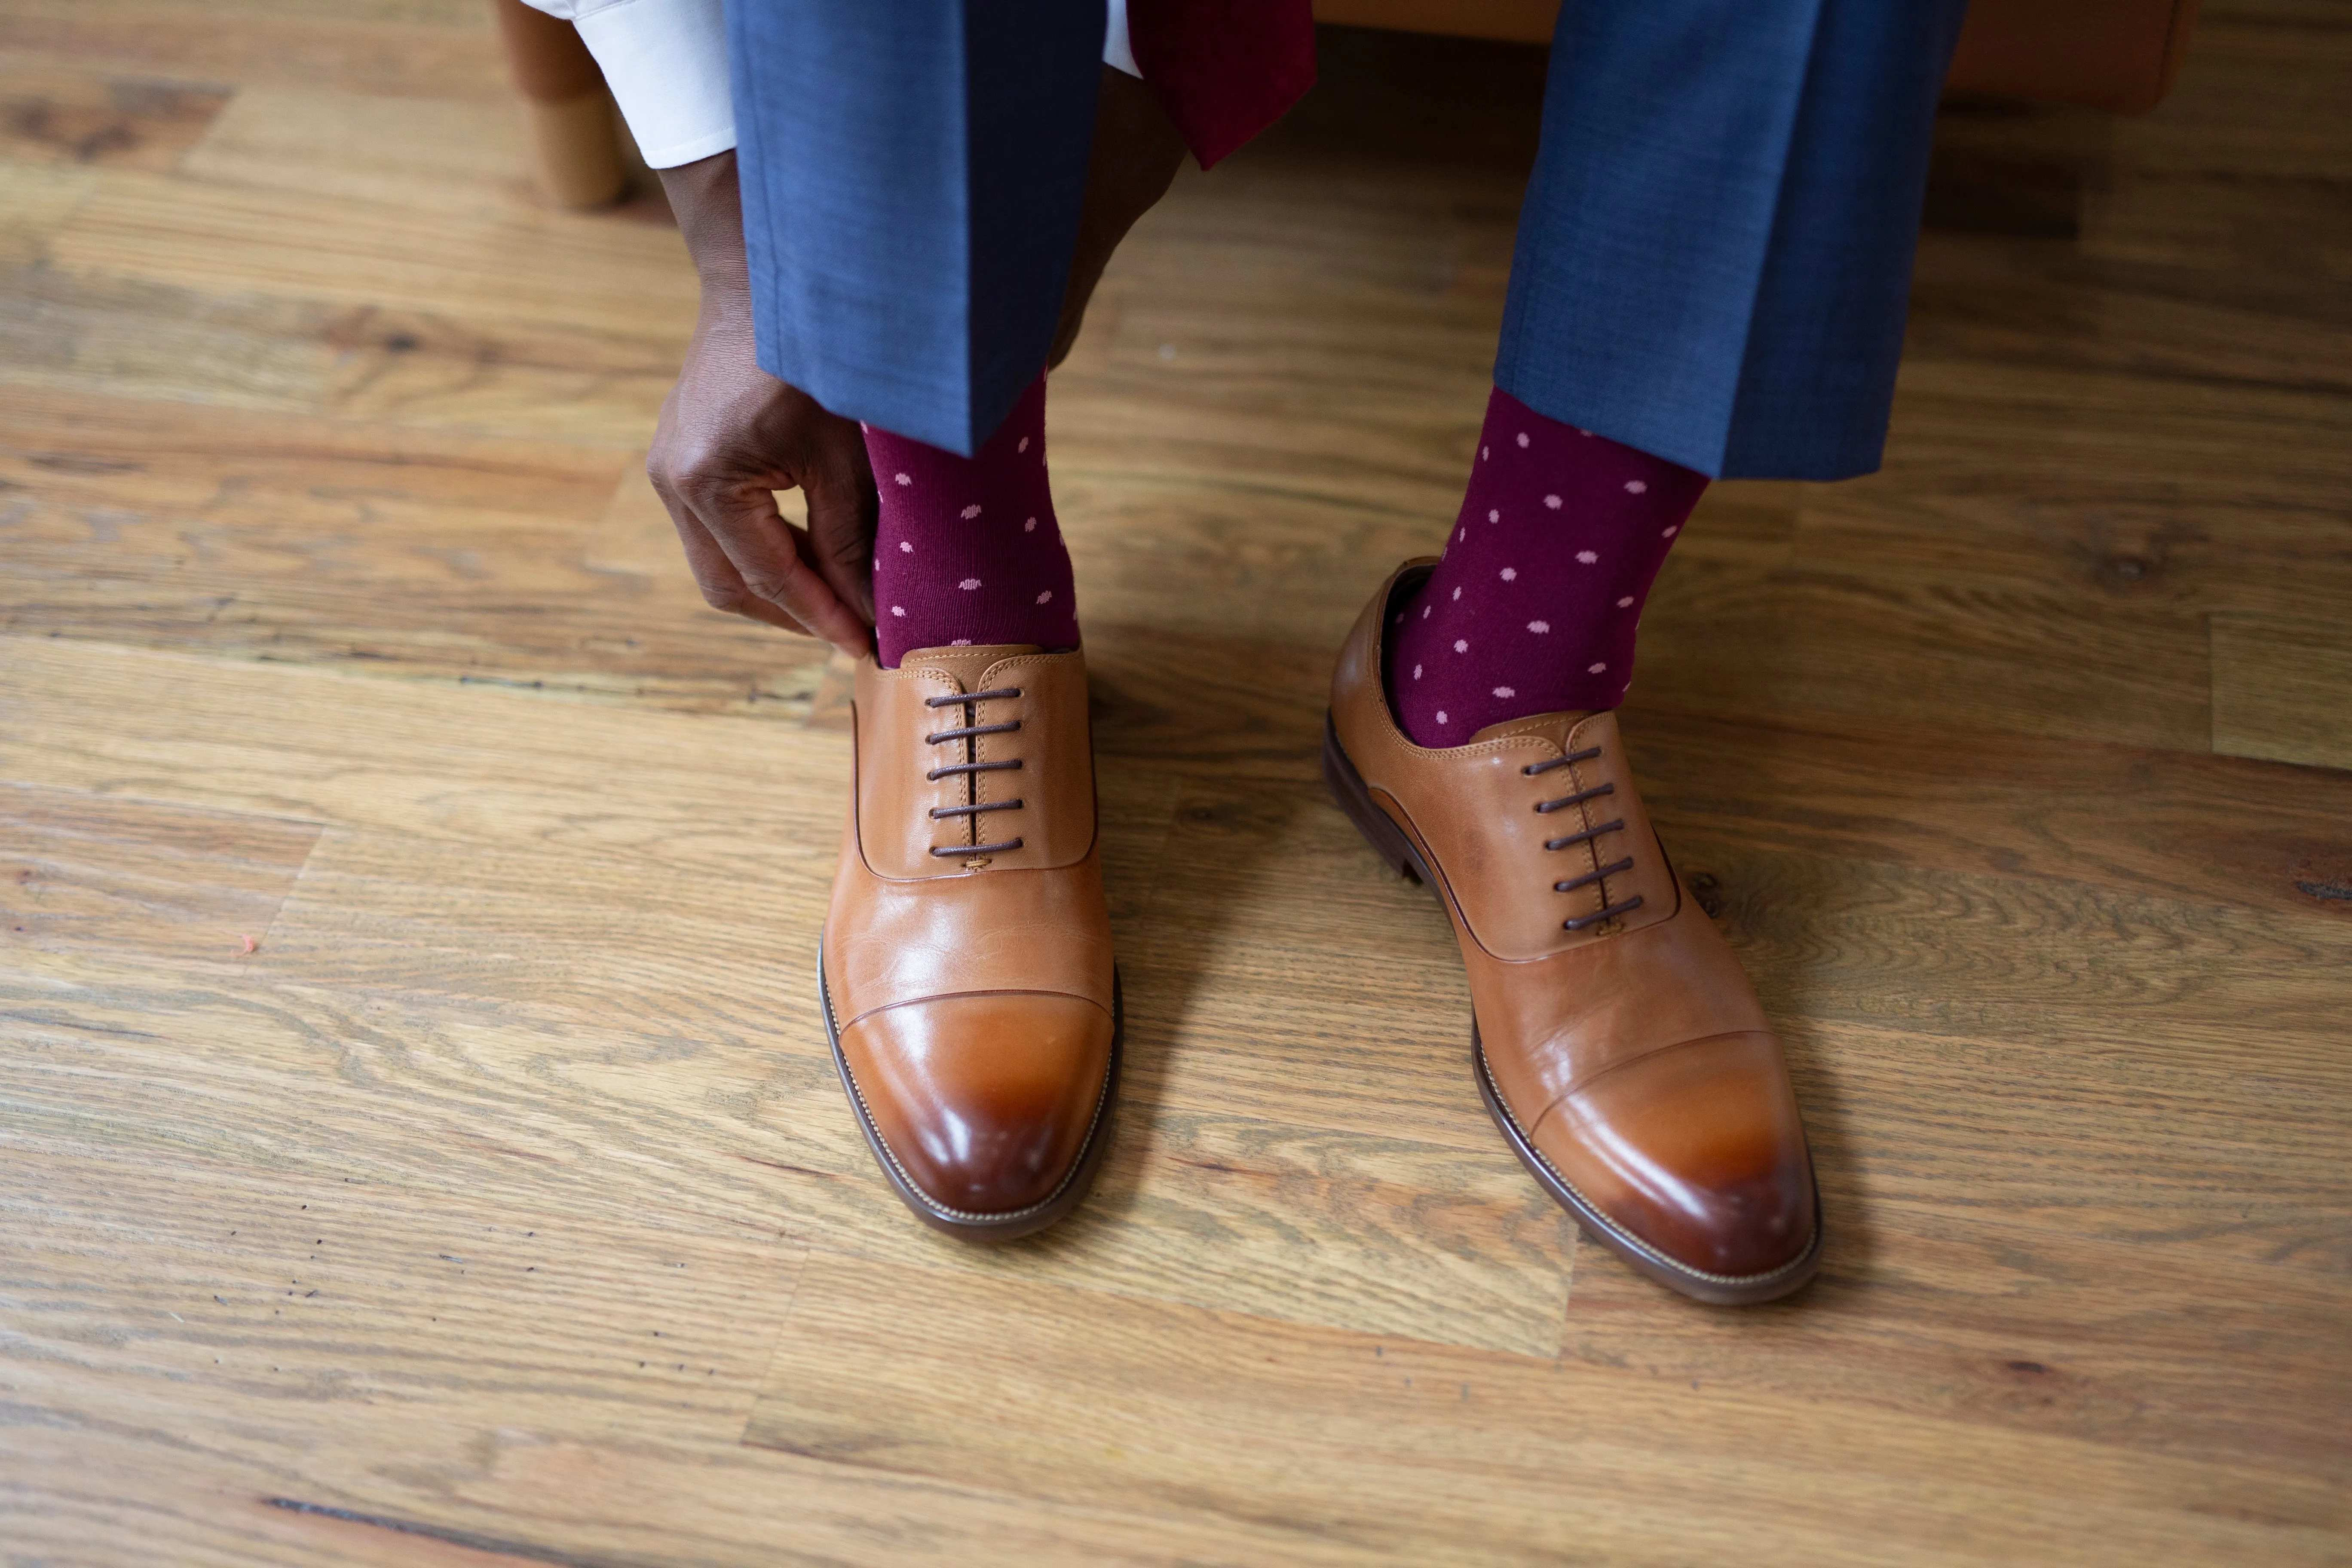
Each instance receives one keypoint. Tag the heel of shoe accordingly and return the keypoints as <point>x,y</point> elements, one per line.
<point>1387,839</point>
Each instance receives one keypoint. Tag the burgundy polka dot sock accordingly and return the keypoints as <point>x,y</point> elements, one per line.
<point>1532,609</point>
<point>968,549</point>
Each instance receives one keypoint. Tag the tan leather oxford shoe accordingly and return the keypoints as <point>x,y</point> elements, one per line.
<point>966,967</point>
<point>1616,1040</point>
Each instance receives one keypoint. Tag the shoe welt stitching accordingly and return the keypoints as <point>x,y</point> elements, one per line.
<point>1619,1231</point>
<point>824,993</point>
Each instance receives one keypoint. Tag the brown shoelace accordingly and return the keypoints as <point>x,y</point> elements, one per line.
<point>968,732</point>
<point>1608,910</point>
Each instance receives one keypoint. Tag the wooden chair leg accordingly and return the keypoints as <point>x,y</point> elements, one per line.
<point>570,113</point>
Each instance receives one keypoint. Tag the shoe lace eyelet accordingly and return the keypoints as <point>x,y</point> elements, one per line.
<point>1597,878</point>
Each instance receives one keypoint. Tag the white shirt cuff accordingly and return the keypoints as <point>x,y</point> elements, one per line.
<point>1118,53</point>
<point>666,61</point>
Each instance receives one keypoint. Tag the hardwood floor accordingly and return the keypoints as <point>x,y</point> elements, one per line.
<point>417,1140</point>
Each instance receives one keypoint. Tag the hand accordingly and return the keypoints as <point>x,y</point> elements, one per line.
<point>731,435</point>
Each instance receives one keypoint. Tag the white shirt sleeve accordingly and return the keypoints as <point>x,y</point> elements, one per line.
<point>1118,53</point>
<point>666,61</point>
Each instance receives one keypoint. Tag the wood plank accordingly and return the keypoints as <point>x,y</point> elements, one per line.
<point>424,152</point>
<point>141,879</point>
<point>624,1034</point>
<point>2282,690</point>
<point>260,1295</point>
<point>1980,299</point>
<point>310,1086</point>
<point>50,115</point>
<point>125,452</point>
<point>112,337</point>
<point>428,153</point>
<point>2138,498</point>
<point>436,761</point>
<point>2261,228</point>
<point>1987,1320</point>
<point>549,1389</point>
<point>121,1488</point>
<point>1440,1456</point>
<point>1811,645</point>
<point>1825,936</point>
<point>2009,1252</point>
<point>35,201</point>
<point>2252,99</point>
<point>626,278</point>
<point>298,540</point>
<point>2131,819</point>
<point>425,49</point>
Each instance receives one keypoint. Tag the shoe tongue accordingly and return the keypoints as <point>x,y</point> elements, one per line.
<point>967,663</point>
<point>1552,727</point>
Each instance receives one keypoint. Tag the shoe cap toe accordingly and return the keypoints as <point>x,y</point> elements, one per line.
<point>984,1102</point>
<point>1697,1149</point>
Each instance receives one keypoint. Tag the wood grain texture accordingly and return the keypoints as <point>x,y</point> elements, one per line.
<point>502,1204</point>
<point>418,152</point>
<point>88,873</point>
<point>260,537</point>
<point>356,1443</point>
<point>621,278</point>
<point>36,200</point>
<point>2282,690</point>
<point>1399,1447</point>
<point>425,49</point>
<point>54,115</point>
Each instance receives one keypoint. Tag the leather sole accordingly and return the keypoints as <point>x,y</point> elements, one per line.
<point>1017,1222</point>
<point>1393,845</point>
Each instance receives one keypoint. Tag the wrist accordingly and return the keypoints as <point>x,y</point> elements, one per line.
<point>709,204</point>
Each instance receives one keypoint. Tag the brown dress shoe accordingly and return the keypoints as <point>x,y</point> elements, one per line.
<point>965,969</point>
<point>1616,1040</point>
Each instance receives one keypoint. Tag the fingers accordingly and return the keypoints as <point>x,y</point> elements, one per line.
<point>722,586</point>
<point>842,514</point>
<point>777,563</point>
<point>730,436</point>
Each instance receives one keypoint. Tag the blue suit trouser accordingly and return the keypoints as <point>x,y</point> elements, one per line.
<point>1714,255</point>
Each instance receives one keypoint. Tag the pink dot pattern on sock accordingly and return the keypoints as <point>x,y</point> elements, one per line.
<point>1533,608</point>
<point>991,566</point>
